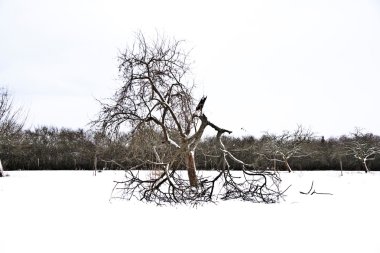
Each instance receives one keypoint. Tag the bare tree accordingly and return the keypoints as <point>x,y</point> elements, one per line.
<point>10,123</point>
<point>157,94</point>
<point>288,145</point>
<point>363,147</point>
<point>154,94</point>
<point>338,152</point>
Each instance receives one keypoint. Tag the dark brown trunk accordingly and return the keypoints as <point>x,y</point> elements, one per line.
<point>191,169</point>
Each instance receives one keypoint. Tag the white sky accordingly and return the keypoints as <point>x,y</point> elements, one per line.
<point>265,65</point>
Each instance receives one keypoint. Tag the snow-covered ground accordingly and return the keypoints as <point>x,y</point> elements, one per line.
<point>70,211</point>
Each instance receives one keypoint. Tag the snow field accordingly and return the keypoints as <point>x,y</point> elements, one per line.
<point>70,211</point>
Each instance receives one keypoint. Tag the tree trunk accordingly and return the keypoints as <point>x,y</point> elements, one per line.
<point>288,166</point>
<point>95,164</point>
<point>341,166</point>
<point>365,166</point>
<point>191,169</point>
<point>2,174</point>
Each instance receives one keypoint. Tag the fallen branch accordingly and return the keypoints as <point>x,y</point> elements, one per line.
<point>312,191</point>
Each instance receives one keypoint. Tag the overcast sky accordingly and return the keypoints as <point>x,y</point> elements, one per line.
<point>265,65</point>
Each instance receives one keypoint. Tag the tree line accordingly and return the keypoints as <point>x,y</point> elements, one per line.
<point>50,148</point>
